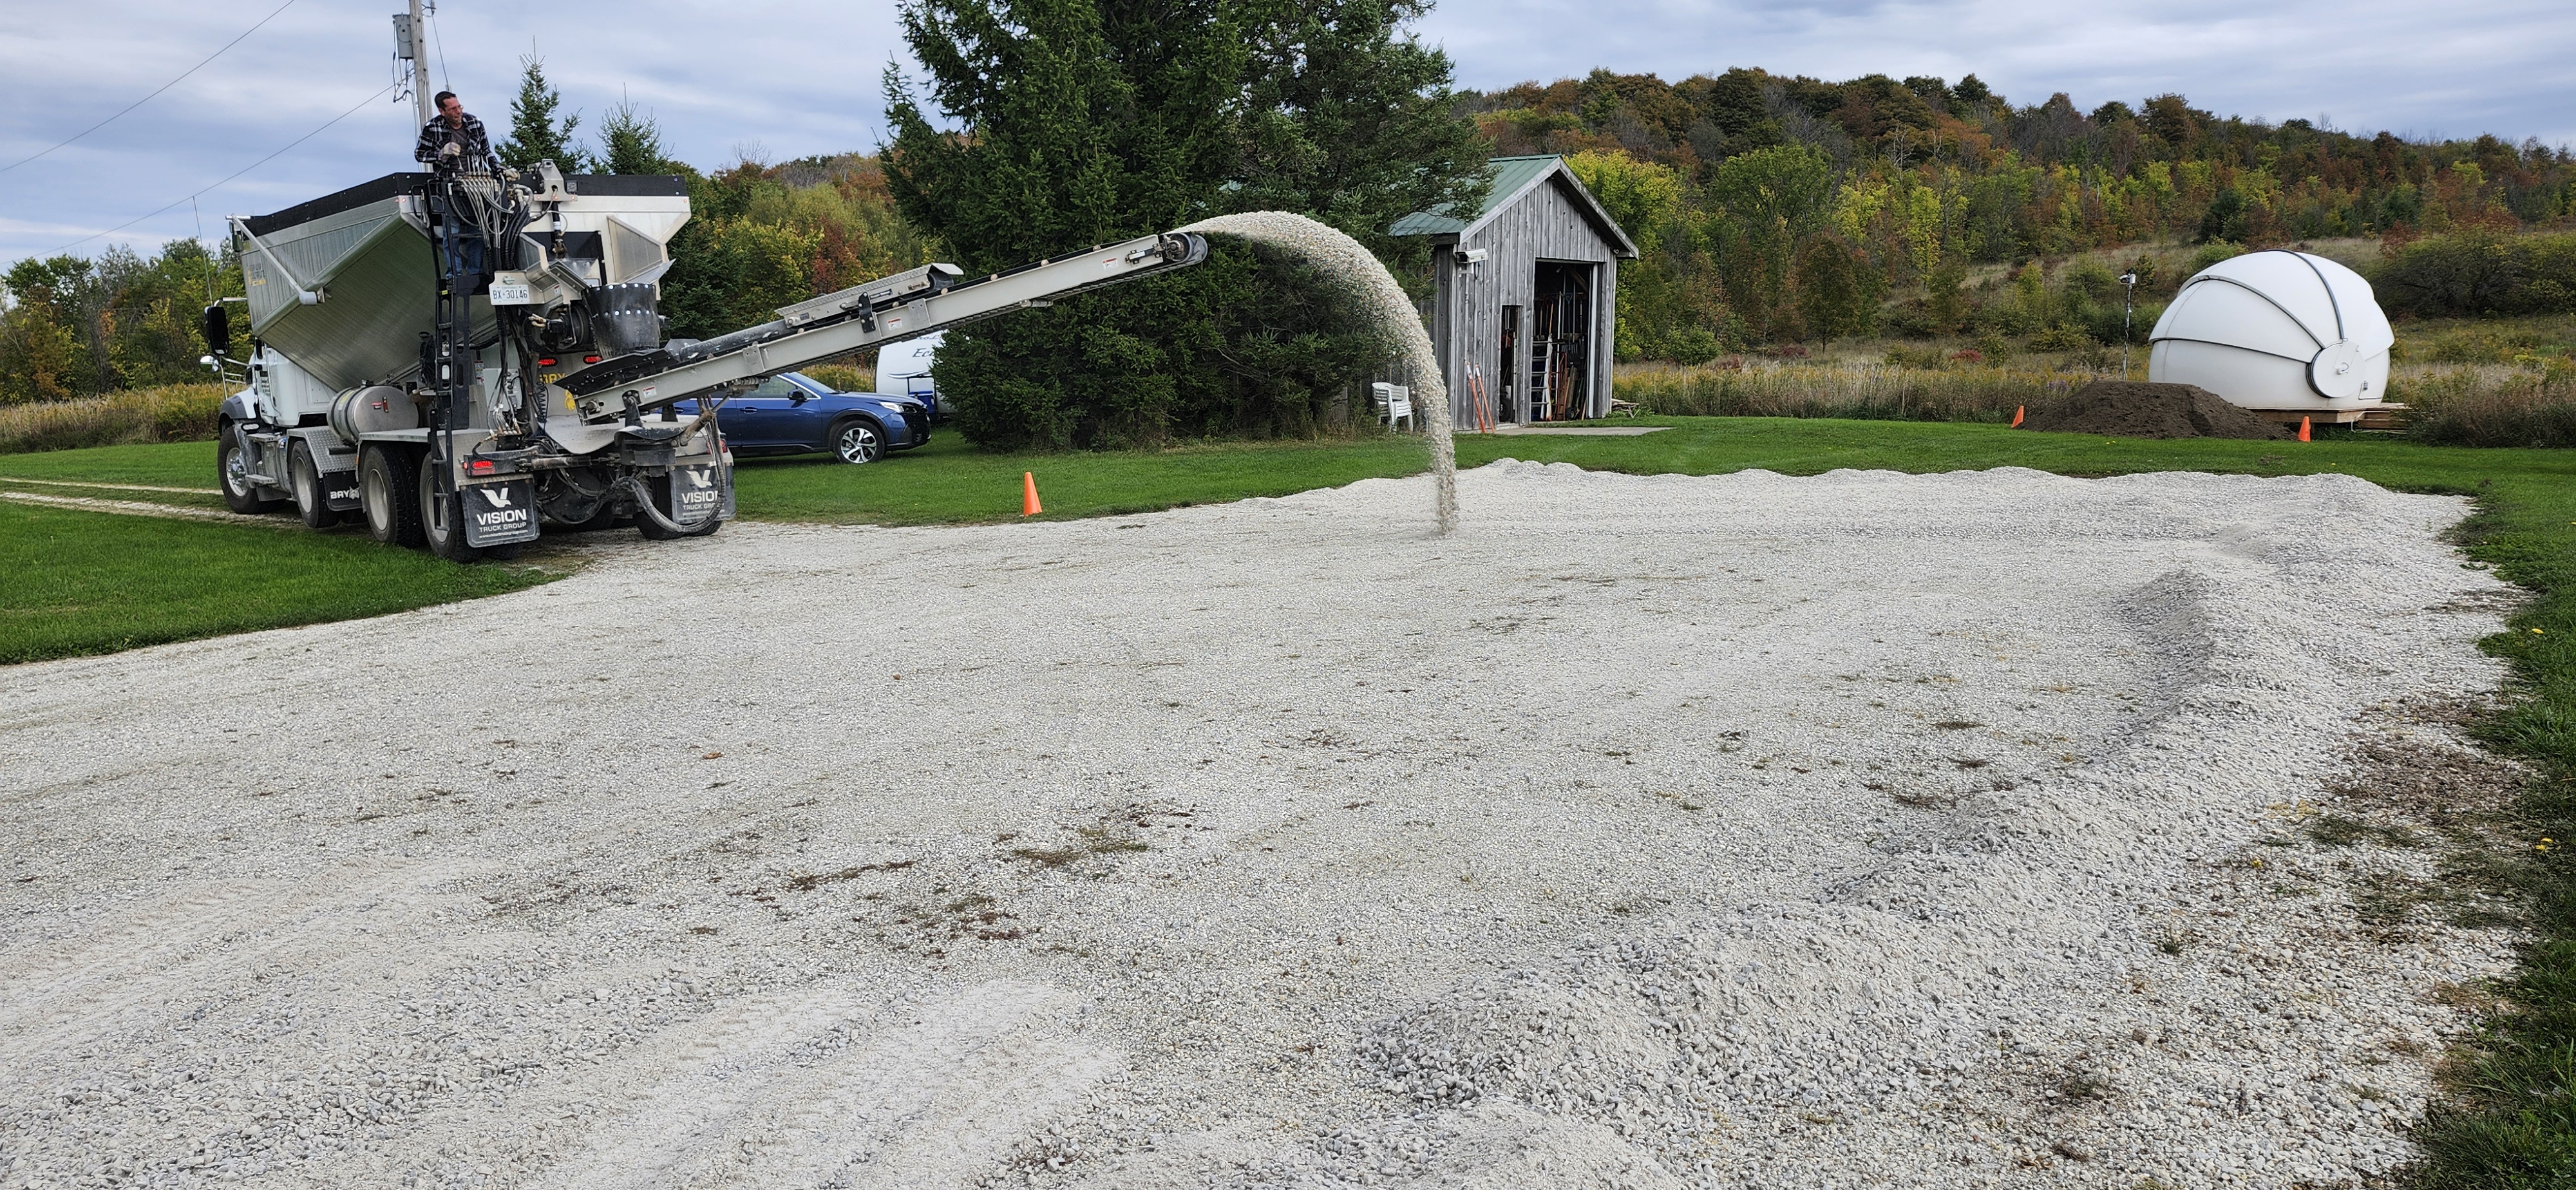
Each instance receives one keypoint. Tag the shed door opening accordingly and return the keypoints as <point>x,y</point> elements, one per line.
<point>1560,350</point>
<point>1507,395</point>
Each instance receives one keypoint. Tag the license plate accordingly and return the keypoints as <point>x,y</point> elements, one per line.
<point>510,289</point>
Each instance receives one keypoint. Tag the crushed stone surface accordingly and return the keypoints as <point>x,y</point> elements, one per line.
<point>2139,409</point>
<point>1862,829</point>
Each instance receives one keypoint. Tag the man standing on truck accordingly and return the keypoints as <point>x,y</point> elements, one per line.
<point>454,142</point>
<point>453,139</point>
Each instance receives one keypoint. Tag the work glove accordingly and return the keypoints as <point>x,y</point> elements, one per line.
<point>449,150</point>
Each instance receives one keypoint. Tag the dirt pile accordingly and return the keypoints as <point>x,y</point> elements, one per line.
<point>2136,409</point>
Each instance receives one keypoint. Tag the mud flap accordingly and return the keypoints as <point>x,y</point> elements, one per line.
<point>699,491</point>
<point>339,490</point>
<point>499,513</point>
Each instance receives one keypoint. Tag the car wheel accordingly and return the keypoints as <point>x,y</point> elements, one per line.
<point>232,466</point>
<point>858,440</point>
<point>305,480</point>
<point>388,493</point>
<point>442,519</point>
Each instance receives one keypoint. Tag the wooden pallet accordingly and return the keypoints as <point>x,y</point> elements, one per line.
<point>2321,417</point>
<point>2384,416</point>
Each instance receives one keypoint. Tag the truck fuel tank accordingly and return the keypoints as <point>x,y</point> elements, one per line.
<point>373,409</point>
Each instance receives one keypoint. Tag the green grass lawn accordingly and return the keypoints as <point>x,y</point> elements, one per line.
<point>83,582</point>
<point>161,464</point>
<point>75,582</point>
<point>949,481</point>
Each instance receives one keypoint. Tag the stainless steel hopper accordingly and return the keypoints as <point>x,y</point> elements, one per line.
<point>366,253</point>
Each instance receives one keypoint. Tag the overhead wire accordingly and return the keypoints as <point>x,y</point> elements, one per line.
<point>446,81</point>
<point>353,110</point>
<point>155,91</point>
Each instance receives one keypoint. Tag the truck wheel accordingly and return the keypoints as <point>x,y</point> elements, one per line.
<point>858,440</point>
<point>305,481</point>
<point>388,483</point>
<point>232,466</point>
<point>442,519</point>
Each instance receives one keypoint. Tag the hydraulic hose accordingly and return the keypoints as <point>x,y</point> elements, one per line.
<point>644,507</point>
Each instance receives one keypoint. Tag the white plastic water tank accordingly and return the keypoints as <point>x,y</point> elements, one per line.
<point>2276,330</point>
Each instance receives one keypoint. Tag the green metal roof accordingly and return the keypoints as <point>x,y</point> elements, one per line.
<point>1511,176</point>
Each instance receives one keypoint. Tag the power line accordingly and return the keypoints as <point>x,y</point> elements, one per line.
<point>445,80</point>
<point>157,90</point>
<point>235,174</point>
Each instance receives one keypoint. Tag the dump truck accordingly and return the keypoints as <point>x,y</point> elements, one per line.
<point>461,357</point>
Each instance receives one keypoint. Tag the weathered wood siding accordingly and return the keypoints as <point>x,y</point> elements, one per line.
<point>1546,224</point>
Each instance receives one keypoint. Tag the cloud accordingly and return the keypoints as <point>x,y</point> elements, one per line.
<point>804,78</point>
<point>2456,69</point>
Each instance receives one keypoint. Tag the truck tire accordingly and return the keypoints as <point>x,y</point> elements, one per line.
<point>442,519</point>
<point>305,481</point>
<point>232,470</point>
<point>388,493</point>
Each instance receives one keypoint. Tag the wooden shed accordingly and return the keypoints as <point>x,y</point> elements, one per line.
<point>1522,307</point>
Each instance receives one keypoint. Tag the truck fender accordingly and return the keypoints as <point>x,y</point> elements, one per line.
<point>237,407</point>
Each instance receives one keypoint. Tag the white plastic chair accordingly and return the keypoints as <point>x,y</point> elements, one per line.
<point>1395,403</point>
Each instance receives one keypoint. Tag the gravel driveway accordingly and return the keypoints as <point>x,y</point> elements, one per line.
<point>1863,829</point>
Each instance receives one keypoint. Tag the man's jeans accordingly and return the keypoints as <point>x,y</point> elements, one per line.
<point>465,255</point>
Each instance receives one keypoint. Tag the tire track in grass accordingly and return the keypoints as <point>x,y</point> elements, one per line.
<point>147,508</point>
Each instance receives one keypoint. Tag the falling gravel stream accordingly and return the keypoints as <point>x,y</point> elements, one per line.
<point>1363,282</point>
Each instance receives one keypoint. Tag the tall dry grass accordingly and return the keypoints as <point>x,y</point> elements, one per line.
<point>173,413</point>
<point>1869,391</point>
<point>2488,404</point>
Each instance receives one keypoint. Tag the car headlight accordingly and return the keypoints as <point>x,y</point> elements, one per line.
<point>891,405</point>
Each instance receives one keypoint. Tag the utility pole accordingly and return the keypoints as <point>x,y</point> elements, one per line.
<point>2129,279</point>
<point>411,44</point>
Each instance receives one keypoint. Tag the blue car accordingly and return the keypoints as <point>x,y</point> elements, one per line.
<point>792,413</point>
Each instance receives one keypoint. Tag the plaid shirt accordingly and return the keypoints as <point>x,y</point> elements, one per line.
<point>473,147</point>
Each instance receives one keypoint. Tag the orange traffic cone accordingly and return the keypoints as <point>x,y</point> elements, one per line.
<point>2303,432</point>
<point>2016,417</point>
<point>1029,505</point>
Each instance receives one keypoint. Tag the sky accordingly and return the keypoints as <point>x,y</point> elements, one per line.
<point>779,80</point>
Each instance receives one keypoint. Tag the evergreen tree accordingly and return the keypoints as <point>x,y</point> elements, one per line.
<point>534,134</point>
<point>631,142</point>
<point>1081,123</point>
<point>1348,120</point>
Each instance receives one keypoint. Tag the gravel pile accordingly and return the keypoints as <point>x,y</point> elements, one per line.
<point>1364,284</point>
<point>1950,830</point>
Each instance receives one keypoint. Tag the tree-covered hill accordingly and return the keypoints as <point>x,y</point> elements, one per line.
<point>1771,208</point>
